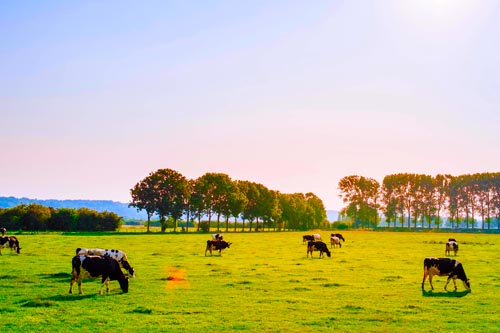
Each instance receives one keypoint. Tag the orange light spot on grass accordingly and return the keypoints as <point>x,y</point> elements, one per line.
<point>176,278</point>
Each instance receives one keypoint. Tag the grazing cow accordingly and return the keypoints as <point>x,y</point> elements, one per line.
<point>339,236</point>
<point>217,236</point>
<point>10,241</point>
<point>334,241</point>
<point>451,246</point>
<point>445,267</point>
<point>317,246</point>
<point>95,266</point>
<point>317,237</point>
<point>216,245</point>
<point>118,255</point>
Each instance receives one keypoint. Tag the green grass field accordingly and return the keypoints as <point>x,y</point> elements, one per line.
<point>264,282</point>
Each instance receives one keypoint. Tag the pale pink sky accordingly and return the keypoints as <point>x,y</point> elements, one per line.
<point>291,94</point>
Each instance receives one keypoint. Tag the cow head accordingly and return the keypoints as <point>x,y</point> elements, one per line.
<point>129,268</point>
<point>124,284</point>
<point>467,284</point>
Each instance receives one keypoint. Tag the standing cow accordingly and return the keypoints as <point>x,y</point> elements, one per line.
<point>317,246</point>
<point>445,267</point>
<point>339,236</point>
<point>307,238</point>
<point>216,245</point>
<point>93,267</point>
<point>334,241</point>
<point>10,241</point>
<point>451,246</point>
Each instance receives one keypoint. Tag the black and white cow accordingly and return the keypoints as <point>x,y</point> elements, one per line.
<point>11,242</point>
<point>317,246</point>
<point>451,246</point>
<point>216,245</point>
<point>445,267</point>
<point>217,236</point>
<point>118,255</point>
<point>339,236</point>
<point>307,238</point>
<point>95,266</point>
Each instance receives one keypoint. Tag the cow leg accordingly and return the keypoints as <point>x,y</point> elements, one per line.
<point>423,280</point>
<point>102,285</point>
<point>71,284</point>
<point>80,291</point>
<point>448,281</point>
<point>430,282</point>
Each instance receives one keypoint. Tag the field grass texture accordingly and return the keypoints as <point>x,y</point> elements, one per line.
<point>263,283</point>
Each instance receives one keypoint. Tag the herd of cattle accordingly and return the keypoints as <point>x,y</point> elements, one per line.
<point>108,264</point>
<point>432,266</point>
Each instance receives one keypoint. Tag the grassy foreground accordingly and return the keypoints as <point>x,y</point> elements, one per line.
<point>264,282</point>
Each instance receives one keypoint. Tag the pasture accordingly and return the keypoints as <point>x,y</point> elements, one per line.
<point>264,282</point>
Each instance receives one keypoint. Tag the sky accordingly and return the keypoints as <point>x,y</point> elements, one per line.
<point>294,95</point>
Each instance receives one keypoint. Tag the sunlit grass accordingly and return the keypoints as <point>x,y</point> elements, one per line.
<point>263,282</point>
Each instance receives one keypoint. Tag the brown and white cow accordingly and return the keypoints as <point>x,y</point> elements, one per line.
<point>313,237</point>
<point>317,246</point>
<point>445,267</point>
<point>451,246</point>
<point>335,241</point>
<point>11,242</point>
<point>118,255</point>
<point>95,266</point>
<point>216,245</point>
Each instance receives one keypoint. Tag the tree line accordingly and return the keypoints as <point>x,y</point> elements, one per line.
<point>216,197</point>
<point>418,200</point>
<point>35,217</point>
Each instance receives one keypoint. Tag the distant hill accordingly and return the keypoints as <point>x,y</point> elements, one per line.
<point>119,208</point>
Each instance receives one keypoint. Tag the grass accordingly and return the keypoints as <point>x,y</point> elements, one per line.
<point>264,282</point>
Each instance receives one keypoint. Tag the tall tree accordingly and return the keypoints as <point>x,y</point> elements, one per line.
<point>360,194</point>
<point>145,196</point>
<point>171,189</point>
<point>441,188</point>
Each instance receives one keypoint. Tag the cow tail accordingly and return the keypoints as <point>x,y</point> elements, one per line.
<point>75,263</point>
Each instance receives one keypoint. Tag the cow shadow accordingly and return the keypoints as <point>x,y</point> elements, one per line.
<point>431,293</point>
<point>57,276</point>
<point>69,297</point>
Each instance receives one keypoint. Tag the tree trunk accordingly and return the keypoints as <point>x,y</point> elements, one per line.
<point>163,223</point>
